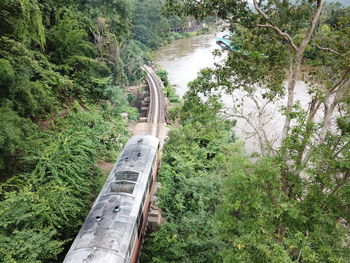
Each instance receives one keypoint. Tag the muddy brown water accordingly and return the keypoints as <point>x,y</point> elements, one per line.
<point>184,58</point>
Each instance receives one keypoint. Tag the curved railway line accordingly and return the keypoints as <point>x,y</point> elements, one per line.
<point>156,114</point>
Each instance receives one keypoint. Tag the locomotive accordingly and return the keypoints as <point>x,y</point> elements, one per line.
<point>114,228</point>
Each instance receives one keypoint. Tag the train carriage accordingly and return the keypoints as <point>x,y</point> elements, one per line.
<point>113,230</point>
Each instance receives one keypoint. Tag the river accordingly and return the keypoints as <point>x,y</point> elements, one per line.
<point>184,58</point>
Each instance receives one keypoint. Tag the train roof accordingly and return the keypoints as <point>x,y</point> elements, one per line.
<point>110,225</point>
<point>144,139</point>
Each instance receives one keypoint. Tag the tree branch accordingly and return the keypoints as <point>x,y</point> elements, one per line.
<point>256,130</point>
<point>340,184</point>
<point>328,111</point>
<point>265,144</point>
<point>311,26</point>
<point>329,50</point>
<point>281,33</point>
<point>290,97</point>
<point>296,67</point>
<point>343,78</point>
<point>274,27</point>
<point>335,154</point>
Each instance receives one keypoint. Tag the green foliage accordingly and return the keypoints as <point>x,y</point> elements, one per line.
<point>163,76</point>
<point>7,74</point>
<point>246,216</point>
<point>176,35</point>
<point>68,37</point>
<point>56,57</point>
<point>29,82</point>
<point>91,77</point>
<point>170,92</point>
<point>118,12</point>
<point>191,188</point>
<point>50,202</point>
<point>221,207</point>
<point>152,26</point>
<point>13,133</point>
<point>291,205</point>
<point>259,223</point>
<point>149,23</point>
<point>20,246</point>
<point>119,103</point>
<point>22,20</point>
<point>134,55</point>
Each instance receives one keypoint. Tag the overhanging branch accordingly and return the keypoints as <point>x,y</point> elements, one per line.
<point>274,27</point>
<point>341,81</point>
<point>329,50</point>
<point>281,33</point>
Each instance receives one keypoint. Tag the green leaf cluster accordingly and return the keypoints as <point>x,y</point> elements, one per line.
<point>219,206</point>
<point>291,205</point>
<point>29,85</point>
<point>259,223</point>
<point>13,133</point>
<point>170,91</point>
<point>22,20</point>
<point>190,187</point>
<point>64,65</point>
<point>151,25</point>
<point>42,209</point>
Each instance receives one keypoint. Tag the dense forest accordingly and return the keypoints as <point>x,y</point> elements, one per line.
<point>288,202</point>
<point>64,66</point>
<point>64,69</point>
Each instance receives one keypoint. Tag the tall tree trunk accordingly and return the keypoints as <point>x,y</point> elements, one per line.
<point>296,67</point>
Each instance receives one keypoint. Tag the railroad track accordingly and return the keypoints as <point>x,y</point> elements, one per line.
<point>156,115</point>
<point>156,123</point>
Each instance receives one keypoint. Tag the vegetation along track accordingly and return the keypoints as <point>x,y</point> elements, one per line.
<point>156,114</point>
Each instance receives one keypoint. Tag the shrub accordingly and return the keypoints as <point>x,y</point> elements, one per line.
<point>48,204</point>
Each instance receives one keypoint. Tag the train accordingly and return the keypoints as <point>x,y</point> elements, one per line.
<point>114,228</point>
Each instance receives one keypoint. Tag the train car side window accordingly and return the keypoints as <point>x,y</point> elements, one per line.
<point>121,187</point>
<point>150,184</point>
<point>143,199</point>
<point>133,236</point>
<point>154,160</point>
<point>147,185</point>
<point>131,246</point>
<point>127,259</point>
<point>139,215</point>
<point>139,230</point>
<point>150,180</point>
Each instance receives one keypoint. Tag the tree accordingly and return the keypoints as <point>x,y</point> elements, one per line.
<point>150,26</point>
<point>59,115</point>
<point>69,37</point>
<point>304,200</point>
<point>190,190</point>
<point>22,20</point>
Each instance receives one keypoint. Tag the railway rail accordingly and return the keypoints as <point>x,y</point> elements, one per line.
<point>156,114</point>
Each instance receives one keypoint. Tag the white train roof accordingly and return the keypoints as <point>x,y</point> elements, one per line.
<point>106,233</point>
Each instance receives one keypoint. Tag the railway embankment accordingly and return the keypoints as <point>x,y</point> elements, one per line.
<point>152,106</point>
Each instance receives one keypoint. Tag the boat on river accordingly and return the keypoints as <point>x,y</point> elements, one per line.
<point>226,43</point>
